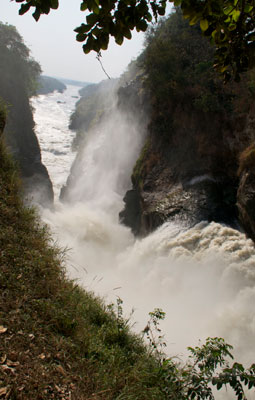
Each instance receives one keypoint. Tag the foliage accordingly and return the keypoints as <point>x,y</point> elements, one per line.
<point>16,62</point>
<point>46,85</point>
<point>153,332</point>
<point>206,367</point>
<point>229,24</point>
<point>18,81</point>
<point>179,65</point>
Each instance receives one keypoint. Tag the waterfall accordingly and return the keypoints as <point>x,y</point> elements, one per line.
<point>202,277</point>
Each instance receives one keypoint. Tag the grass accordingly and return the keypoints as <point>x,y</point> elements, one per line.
<point>56,340</point>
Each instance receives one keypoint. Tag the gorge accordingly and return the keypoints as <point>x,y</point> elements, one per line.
<point>202,276</point>
<point>178,146</point>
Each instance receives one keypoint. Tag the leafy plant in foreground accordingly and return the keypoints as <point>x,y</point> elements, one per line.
<point>207,367</point>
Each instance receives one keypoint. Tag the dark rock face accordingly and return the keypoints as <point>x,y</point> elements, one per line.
<point>23,145</point>
<point>188,201</point>
<point>207,200</point>
<point>246,202</point>
<point>133,217</point>
<point>189,173</point>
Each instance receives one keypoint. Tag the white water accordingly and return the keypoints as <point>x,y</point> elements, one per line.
<point>51,114</point>
<point>203,278</point>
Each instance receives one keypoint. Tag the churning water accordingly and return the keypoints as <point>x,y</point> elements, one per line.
<point>203,277</point>
<point>51,114</point>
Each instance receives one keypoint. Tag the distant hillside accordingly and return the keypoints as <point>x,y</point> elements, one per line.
<point>98,88</point>
<point>73,82</point>
<point>46,85</point>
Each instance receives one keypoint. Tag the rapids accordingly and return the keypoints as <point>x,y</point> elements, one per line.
<point>202,277</point>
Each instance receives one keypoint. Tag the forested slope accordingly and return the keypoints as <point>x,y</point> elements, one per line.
<point>18,77</point>
<point>46,84</point>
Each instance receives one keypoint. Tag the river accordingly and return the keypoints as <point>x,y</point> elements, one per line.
<point>203,277</point>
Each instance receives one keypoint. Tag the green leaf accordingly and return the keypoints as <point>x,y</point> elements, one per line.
<point>36,14</point>
<point>161,10</point>
<point>94,7</point>
<point>54,4</point>
<point>119,39</point>
<point>148,17</point>
<point>127,33</point>
<point>86,49</point>
<point>236,14</point>
<point>24,8</point>
<point>141,25</point>
<point>91,19</point>
<point>104,43</point>
<point>204,24</point>
<point>84,6</point>
<point>81,37</point>
<point>247,8</point>
<point>228,10</point>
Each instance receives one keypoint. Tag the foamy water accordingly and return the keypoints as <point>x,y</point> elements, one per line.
<point>203,277</point>
<point>51,115</point>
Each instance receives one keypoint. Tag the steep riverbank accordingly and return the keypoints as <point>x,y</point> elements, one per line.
<point>19,73</point>
<point>58,341</point>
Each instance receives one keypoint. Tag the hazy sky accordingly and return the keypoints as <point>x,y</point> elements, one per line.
<point>52,43</point>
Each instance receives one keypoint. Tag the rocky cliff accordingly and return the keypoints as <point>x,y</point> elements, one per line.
<point>19,73</point>
<point>188,168</point>
<point>189,174</point>
<point>23,144</point>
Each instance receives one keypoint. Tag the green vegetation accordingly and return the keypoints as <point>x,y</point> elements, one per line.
<point>137,170</point>
<point>178,62</point>
<point>56,338</point>
<point>178,65</point>
<point>18,81</point>
<point>46,85</point>
<point>16,62</point>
